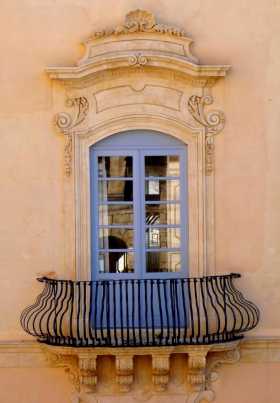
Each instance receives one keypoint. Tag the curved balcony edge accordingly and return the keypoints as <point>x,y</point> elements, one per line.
<point>134,312</point>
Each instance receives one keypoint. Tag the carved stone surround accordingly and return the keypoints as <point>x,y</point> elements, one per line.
<point>141,75</point>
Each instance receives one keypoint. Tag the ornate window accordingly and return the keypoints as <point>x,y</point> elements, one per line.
<point>139,166</point>
<point>142,76</point>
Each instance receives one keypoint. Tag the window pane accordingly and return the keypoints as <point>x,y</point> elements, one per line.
<point>116,214</point>
<point>114,166</point>
<point>163,262</point>
<point>116,262</point>
<point>163,214</point>
<point>115,238</point>
<point>156,190</point>
<point>163,238</point>
<point>158,165</point>
<point>115,190</point>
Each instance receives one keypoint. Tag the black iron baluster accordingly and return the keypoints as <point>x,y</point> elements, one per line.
<point>160,311</point>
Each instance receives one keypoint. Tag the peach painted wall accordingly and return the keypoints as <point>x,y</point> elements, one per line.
<point>34,224</point>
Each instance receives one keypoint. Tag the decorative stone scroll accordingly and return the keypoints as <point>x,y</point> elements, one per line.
<point>213,122</point>
<point>66,123</point>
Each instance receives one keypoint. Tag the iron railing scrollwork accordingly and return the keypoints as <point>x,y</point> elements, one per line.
<point>146,312</point>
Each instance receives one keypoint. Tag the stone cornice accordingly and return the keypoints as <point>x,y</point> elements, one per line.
<point>139,42</point>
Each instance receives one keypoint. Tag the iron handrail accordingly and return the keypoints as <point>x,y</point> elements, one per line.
<point>140,312</point>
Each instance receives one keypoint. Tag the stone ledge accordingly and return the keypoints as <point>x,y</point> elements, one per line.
<point>254,349</point>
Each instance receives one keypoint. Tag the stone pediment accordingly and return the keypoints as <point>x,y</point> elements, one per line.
<point>139,42</point>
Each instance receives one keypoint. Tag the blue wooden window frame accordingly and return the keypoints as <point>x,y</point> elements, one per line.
<point>139,144</point>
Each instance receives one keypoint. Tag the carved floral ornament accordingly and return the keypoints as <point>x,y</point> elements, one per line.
<point>115,55</point>
<point>139,21</point>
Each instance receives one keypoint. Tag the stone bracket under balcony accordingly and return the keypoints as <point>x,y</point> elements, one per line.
<point>201,363</point>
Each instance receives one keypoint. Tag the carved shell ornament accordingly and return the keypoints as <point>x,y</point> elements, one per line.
<point>139,21</point>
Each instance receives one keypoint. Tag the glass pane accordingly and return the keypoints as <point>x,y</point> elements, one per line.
<point>163,214</point>
<point>116,262</point>
<point>115,190</point>
<point>163,238</point>
<point>163,262</point>
<point>156,190</point>
<point>116,214</point>
<point>158,165</point>
<point>114,166</point>
<point>115,238</point>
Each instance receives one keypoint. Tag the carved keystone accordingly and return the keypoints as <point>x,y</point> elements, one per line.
<point>197,369</point>
<point>161,368</point>
<point>124,372</point>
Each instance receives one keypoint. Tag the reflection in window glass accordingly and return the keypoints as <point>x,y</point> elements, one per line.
<point>115,190</point>
<point>116,262</point>
<point>162,214</point>
<point>163,262</point>
<point>114,166</point>
<point>115,238</point>
<point>116,214</point>
<point>157,165</point>
<point>163,238</point>
<point>163,189</point>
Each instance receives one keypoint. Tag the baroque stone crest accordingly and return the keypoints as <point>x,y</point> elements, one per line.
<point>139,21</point>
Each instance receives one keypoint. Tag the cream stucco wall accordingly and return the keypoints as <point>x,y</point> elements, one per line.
<point>35,233</point>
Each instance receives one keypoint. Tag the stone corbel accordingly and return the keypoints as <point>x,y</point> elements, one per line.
<point>66,123</point>
<point>160,370</point>
<point>87,367</point>
<point>203,372</point>
<point>197,368</point>
<point>124,372</point>
<point>213,122</point>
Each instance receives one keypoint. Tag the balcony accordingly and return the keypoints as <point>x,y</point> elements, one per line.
<point>140,313</point>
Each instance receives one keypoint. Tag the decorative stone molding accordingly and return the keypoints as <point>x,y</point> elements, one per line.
<point>66,123</point>
<point>213,122</point>
<point>124,371</point>
<point>139,21</point>
<point>32,355</point>
<point>216,360</point>
<point>142,76</point>
<point>137,60</point>
<point>160,370</point>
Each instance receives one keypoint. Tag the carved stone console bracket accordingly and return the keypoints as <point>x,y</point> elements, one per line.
<point>160,370</point>
<point>124,371</point>
<point>88,373</point>
<point>197,367</point>
<point>203,363</point>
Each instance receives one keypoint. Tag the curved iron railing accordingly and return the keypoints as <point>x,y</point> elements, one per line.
<point>148,312</point>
